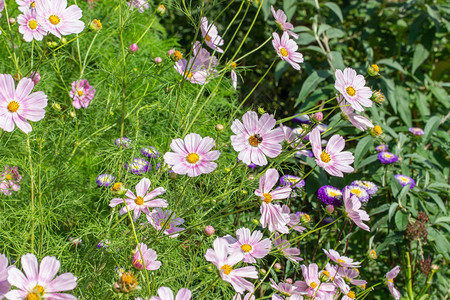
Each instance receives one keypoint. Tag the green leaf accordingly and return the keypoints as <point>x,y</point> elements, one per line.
<point>335,33</point>
<point>336,60</point>
<point>311,84</point>
<point>431,126</point>
<point>438,201</point>
<point>305,38</point>
<point>367,161</point>
<point>391,63</point>
<point>422,105</point>
<point>336,9</point>
<point>403,193</point>
<point>392,210</point>
<point>380,209</point>
<point>403,105</point>
<point>441,95</point>
<point>420,55</point>
<point>434,15</point>
<point>401,220</point>
<point>281,67</point>
<point>361,149</point>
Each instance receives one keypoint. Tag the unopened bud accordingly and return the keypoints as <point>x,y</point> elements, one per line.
<point>256,222</point>
<point>219,127</point>
<point>12,21</point>
<point>161,9</point>
<point>373,254</point>
<point>373,70</point>
<point>263,271</point>
<point>244,192</point>
<point>227,170</point>
<point>376,131</point>
<point>277,267</point>
<point>329,209</point>
<point>35,77</point>
<point>170,52</point>
<point>318,117</point>
<point>158,60</point>
<point>56,106</point>
<point>377,97</point>
<point>73,114</point>
<point>95,25</point>
<point>133,48</point>
<point>209,230</point>
<point>289,280</point>
<point>63,40</point>
<point>75,241</point>
<point>118,189</point>
<point>261,110</point>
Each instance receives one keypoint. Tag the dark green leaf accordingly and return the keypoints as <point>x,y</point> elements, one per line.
<point>336,9</point>
<point>430,127</point>
<point>420,54</point>
<point>311,84</point>
<point>401,220</point>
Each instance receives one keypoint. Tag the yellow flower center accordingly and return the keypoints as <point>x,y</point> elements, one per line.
<point>32,24</point>
<point>128,278</point>
<point>192,158</point>
<point>355,192</point>
<point>325,157</point>
<point>246,248</point>
<point>267,198</point>
<point>207,38</point>
<point>54,19</point>
<point>80,93</point>
<point>341,261</point>
<point>233,65</point>
<point>376,68</point>
<point>177,55</point>
<point>8,177</point>
<point>326,273</point>
<point>116,186</point>
<point>332,193</point>
<point>307,217</point>
<point>188,74</point>
<point>377,129</point>
<point>13,106</point>
<point>284,52</point>
<point>33,4</point>
<point>387,155</point>
<point>163,223</point>
<point>227,269</point>
<point>255,140</point>
<point>351,295</point>
<point>313,285</point>
<point>139,200</point>
<point>32,296</point>
<point>391,280</point>
<point>351,91</point>
<point>36,294</point>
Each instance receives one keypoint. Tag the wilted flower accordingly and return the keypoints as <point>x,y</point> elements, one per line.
<point>150,152</point>
<point>387,157</point>
<point>286,49</point>
<point>416,131</point>
<point>17,105</point>
<point>159,219</point>
<point>358,191</point>
<point>38,280</point>
<point>29,26</point>
<point>211,35</point>
<point>329,195</point>
<point>377,97</point>
<point>124,142</point>
<point>281,21</point>
<point>105,180</point>
<point>351,86</point>
<point>58,19</point>
<point>250,244</point>
<point>369,186</point>
<point>149,260</point>
<point>127,283</point>
<point>166,293</point>
<point>390,276</point>
<point>255,138</point>
<point>82,93</point>
<point>138,166</point>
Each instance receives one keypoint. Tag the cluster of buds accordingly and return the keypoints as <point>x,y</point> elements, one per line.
<point>127,283</point>
<point>418,230</point>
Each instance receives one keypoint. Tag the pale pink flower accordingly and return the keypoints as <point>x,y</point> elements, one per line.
<point>353,211</point>
<point>281,20</point>
<point>57,18</point>
<point>160,219</point>
<point>255,138</point>
<point>25,5</point>
<point>234,79</point>
<point>248,296</point>
<point>294,220</point>
<point>224,262</point>
<point>192,71</point>
<point>312,284</point>
<point>82,93</point>
<point>343,261</point>
<point>211,35</point>
<point>10,180</point>
<point>29,27</point>
<point>271,214</point>
<point>390,276</point>
<point>149,260</point>
<point>347,293</point>
<point>193,155</point>
<point>351,86</point>
<point>360,122</point>
<point>286,49</point>
<point>5,286</point>
<point>166,293</point>
<point>284,246</point>
<point>332,159</point>
<point>251,245</point>
<point>141,5</point>
<point>18,105</point>
<point>349,275</point>
<point>285,289</point>
<point>38,280</point>
<point>142,201</point>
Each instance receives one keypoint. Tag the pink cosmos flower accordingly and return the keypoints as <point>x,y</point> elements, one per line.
<point>82,93</point>
<point>18,105</point>
<point>360,122</point>
<point>271,214</point>
<point>294,220</point>
<point>211,35</point>
<point>343,261</point>
<point>349,275</point>
<point>286,49</point>
<point>5,286</point>
<point>159,218</point>
<point>234,79</point>
<point>225,262</point>
<point>166,293</point>
<point>25,5</point>
<point>351,86</point>
<point>149,260</point>
<point>10,180</point>
<point>285,289</point>
<point>312,284</point>
<point>192,156</point>
<point>143,201</point>
<point>332,159</point>
<point>38,281</point>
<point>29,27</point>
<point>353,211</point>
<point>281,20</point>
<point>57,18</point>
<point>347,293</point>
<point>283,245</point>
<point>248,296</point>
<point>251,245</point>
<point>255,139</point>
<point>204,57</point>
<point>200,67</point>
<point>390,281</point>
<point>141,5</point>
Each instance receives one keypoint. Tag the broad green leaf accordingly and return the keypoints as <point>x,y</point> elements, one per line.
<point>434,15</point>
<point>401,220</point>
<point>392,210</point>
<point>380,209</point>
<point>441,95</point>
<point>315,48</point>
<point>391,63</point>
<point>337,60</point>
<point>311,84</point>
<point>305,38</point>
<point>281,67</point>
<point>361,149</point>
<point>289,8</point>
<point>422,105</point>
<point>420,55</point>
<point>403,100</point>
<point>367,161</point>
<point>322,28</point>
<point>335,33</point>
<point>335,9</point>
<point>430,127</point>
<point>438,201</point>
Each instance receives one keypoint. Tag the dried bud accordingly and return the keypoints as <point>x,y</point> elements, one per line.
<point>422,217</point>
<point>219,127</point>
<point>373,70</point>
<point>425,266</point>
<point>118,189</point>
<point>133,48</point>
<point>158,60</point>
<point>127,283</point>
<point>95,25</point>
<point>209,230</point>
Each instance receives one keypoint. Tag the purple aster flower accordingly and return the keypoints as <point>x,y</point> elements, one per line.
<point>105,180</point>
<point>416,131</point>
<point>329,195</point>
<point>138,166</point>
<point>292,181</point>
<point>387,157</point>
<point>104,244</point>
<point>381,148</point>
<point>357,191</point>
<point>125,142</point>
<point>404,180</point>
<point>159,219</point>
<point>150,152</point>
<point>369,186</point>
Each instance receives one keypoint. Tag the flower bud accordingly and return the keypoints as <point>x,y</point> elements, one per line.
<point>219,127</point>
<point>12,21</point>
<point>133,48</point>
<point>289,280</point>
<point>373,70</point>
<point>263,271</point>
<point>209,230</point>
<point>244,192</point>
<point>376,131</point>
<point>277,267</point>
<point>170,52</point>
<point>158,60</point>
<point>73,114</point>
<point>329,209</point>
<point>228,170</point>
<point>378,97</point>
<point>63,40</point>
<point>372,254</point>
<point>35,77</point>
<point>261,110</point>
<point>256,222</point>
<point>95,25</point>
<point>251,177</point>
<point>161,9</point>
<point>318,117</point>
<point>56,106</point>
